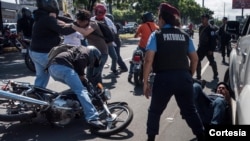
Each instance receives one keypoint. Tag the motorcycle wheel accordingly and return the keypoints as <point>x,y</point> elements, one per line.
<point>124,116</point>
<point>137,79</point>
<point>11,113</point>
<point>29,63</point>
<point>13,43</point>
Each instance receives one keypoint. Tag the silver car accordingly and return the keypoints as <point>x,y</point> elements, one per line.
<point>11,26</point>
<point>238,73</point>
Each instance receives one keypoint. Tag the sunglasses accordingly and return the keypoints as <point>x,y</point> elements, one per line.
<point>100,12</point>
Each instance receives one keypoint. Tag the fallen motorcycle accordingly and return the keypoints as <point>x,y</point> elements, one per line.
<point>30,102</point>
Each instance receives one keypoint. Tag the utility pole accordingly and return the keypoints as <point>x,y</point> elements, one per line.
<point>224,9</point>
<point>1,18</point>
<point>203,3</point>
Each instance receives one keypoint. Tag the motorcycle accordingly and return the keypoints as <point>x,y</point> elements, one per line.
<point>59,108</point>
<point>11,40</point>
<point>8,39</point>
<point>25,44</point>
<point>137,70</point>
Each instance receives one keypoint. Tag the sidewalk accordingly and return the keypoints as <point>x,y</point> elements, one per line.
<point>8,49</point>
<point>124,42</point>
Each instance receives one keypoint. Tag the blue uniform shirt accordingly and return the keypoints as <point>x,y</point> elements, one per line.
<point>151,45</point>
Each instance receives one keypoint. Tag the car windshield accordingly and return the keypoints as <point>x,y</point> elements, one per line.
<point>10,25</point>
<point>129,25</point>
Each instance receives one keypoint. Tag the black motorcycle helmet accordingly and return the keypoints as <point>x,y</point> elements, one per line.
<point>147,17</point>
<point>211,22</point>
<point>50,6</point>
<point>26,12</point>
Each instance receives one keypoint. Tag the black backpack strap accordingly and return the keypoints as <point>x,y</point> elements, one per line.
<point>149,27</point>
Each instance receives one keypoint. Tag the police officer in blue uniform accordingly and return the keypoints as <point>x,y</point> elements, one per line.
<point>168,53</point>
<point>206,47</point>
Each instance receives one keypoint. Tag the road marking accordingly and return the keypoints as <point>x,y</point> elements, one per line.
<point>204,68</point>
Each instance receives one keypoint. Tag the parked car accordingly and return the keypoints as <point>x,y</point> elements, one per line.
<point>130,27</point>
<point>238,73</point>
<point>11,26</point>
<point>187,30</point>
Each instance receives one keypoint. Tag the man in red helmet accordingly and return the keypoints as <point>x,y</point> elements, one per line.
<point>100,12</point>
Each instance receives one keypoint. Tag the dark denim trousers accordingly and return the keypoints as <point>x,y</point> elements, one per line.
<point>212,108</point>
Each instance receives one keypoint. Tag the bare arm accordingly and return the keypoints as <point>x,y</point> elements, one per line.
<point>193,61</point>
<point>84,31</point>
<point>149,57</point>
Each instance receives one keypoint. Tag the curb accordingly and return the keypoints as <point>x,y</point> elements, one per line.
<point>9,49</point>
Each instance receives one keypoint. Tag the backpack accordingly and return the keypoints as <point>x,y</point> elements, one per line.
<point>108,34</point>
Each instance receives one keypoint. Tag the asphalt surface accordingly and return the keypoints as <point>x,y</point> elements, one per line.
<point>172,126</point>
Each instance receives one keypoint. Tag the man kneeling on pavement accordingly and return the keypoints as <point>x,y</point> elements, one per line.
<point>214,108</point>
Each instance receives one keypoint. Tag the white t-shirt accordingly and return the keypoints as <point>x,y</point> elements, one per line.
<point>73,39</point>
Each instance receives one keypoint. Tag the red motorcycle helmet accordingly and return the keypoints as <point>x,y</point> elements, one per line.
<point>100,11</point>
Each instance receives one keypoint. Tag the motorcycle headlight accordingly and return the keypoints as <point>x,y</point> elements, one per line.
<point>107,94</point>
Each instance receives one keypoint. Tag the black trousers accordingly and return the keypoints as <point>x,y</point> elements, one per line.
<point>225,48</point>
<point>201,54</point>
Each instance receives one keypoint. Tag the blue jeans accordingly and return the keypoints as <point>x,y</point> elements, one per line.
<point>212,108</point>
<point>40,60</point>
<point>97,72</point>
<point>180,84</point>
<point>113,55</point>
<point>120,62</point>
<point>68,76</point>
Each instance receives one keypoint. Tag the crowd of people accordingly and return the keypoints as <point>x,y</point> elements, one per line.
<point>161,41</point>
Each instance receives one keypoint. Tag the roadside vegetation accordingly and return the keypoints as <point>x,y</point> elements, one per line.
<point>131,10</point>
<point>126,36</point>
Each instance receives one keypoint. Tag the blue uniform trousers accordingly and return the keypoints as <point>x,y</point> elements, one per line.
<point>180,84</point>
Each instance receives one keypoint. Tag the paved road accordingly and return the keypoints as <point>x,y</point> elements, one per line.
<point>173,127</point>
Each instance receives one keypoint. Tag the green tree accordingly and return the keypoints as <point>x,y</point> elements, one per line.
<point>131,10</point>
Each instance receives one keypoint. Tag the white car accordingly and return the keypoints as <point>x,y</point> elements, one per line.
<point>11,26</point>
<point>238,73</point>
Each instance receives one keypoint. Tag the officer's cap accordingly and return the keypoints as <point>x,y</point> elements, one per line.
<point>170,9</point>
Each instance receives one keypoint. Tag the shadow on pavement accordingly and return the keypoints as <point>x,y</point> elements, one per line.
<point>130,41</point>
<point>43,131</point>
<point>13,66</point>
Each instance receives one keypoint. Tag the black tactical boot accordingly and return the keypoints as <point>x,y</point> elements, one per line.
<point>215,71</point>
<point>223,60</point>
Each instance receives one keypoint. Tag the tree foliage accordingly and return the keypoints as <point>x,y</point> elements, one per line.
<point>132,10</point>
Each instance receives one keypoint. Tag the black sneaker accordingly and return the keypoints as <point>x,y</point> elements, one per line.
<point>123,70</point>
<point>215,77</point>
<point>198,77</point>
<point>115,72</point>
<point>96,124</point>
<point>130,77</point>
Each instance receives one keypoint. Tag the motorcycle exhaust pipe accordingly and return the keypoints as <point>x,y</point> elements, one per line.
<point>9,95</point>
